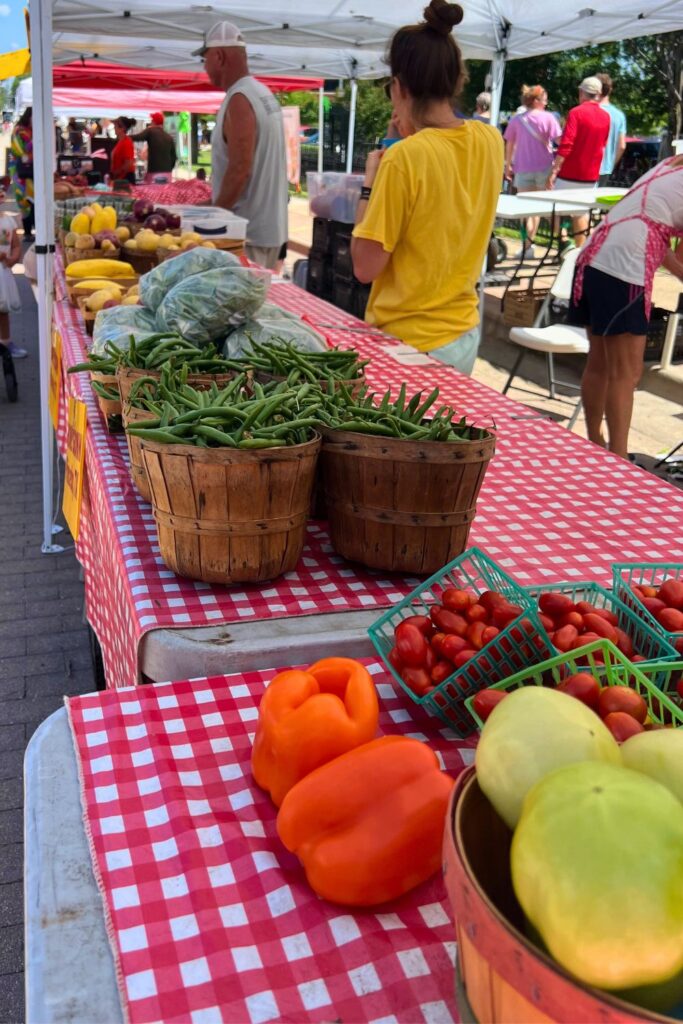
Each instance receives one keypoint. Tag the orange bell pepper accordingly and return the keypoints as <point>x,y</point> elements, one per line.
<point>368,826</point>
<point>307,718</point>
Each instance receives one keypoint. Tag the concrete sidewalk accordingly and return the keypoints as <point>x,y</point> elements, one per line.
<point>44,644</point>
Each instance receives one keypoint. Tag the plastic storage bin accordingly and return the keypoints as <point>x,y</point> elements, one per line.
<point>647,574</point>
<point>523,642</point>
<point>647,641</point>
<point>212,221</point>
<point>333,195</point>
<point>613,670</point>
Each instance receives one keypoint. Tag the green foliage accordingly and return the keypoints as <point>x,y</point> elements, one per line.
<point>639,67</point>
<point>307,102</point>
<point>373,109</point>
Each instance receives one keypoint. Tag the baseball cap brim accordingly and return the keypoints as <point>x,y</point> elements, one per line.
<point>200,52</point>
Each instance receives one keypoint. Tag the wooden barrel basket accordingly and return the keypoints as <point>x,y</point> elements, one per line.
<point>137,471</point>
<point>501,977</point>
<point>401,506</point>
<point>227,515</point>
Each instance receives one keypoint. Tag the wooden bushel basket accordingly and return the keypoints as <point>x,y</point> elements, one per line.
<point>110,408</point>
<point>227,515</point>
<point>137,470</point>
<point>521,305</point>
<point>502,978</point>
<point>401,506</point>
<point>126,377</point>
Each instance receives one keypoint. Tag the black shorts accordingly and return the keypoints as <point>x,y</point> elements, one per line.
<point>282,255</point>
<point>608,305</point>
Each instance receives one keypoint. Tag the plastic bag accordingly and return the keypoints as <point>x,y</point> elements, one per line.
<point>9,293</point>
<point>155,285</point>
<point>203,308</point>
<point>273,332</point>
<point>116,325</point>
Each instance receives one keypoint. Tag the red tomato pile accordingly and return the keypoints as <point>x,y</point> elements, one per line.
<point>572,624</point>
<point>665,604</point>
<point>428,649</point>
<point>622,709</point>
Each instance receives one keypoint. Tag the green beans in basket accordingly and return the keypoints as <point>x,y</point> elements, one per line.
<point>417,418</point>
<point>273,416</point>
<point>287,361</point>
<point>154,352</point>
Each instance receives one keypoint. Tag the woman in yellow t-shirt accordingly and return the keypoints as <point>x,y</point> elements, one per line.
<point>428,203</point>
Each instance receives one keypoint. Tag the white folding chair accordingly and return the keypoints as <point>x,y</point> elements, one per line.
<point>556,339</point>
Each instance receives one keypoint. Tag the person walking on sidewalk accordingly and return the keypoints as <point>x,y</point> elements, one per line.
<point>249,166</point>
<point>10,253</point>
<point>616,141</point>
<point>579,155</point>
<point>612,295</point>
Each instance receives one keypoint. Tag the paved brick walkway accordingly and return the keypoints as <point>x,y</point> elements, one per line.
<point>44,647</point>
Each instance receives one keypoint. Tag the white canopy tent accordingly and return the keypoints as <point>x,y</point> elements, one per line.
<point>329,38</point>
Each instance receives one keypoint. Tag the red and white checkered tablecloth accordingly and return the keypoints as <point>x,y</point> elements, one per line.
<point>210,918</point>
<point>553,506</point>
<point>189,193</point>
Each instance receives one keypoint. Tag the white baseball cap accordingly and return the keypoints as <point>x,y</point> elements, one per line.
<point>592,86</point>
<point>223,33</point>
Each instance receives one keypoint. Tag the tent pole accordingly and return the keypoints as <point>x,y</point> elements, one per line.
<point>352,126</point>
<point>321,124</point>
<point>43,138</point>
<point>497,76</point>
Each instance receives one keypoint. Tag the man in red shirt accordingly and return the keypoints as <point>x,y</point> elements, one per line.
<point>579,155</point>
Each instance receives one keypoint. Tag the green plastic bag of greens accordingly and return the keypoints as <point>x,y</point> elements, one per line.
<point>203,308</point>
<point>276,331</point>
<point>155,285</point>
<point>116,325</point>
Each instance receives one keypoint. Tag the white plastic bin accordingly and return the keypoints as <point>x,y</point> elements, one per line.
<point>211,221</point>
<point>333,195</point>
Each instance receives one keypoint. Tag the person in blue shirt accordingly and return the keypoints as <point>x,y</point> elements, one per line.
<point>616,142</point>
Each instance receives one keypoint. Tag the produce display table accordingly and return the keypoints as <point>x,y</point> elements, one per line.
<point>208,917</point>
<point>190,193</point>
<point>552,507</point>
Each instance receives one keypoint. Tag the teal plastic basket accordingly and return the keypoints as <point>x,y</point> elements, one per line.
<point>648,574</point>
<point>617,670</point>
<point>651,643</point>
<point>518,645</point>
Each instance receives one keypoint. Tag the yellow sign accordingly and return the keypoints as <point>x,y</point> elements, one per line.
<point>55,376</point>
<point>75,465</point>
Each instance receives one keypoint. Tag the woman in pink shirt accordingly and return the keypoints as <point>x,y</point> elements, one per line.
<point>529,141</point>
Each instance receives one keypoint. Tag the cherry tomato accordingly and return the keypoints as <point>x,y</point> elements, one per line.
<point>555,604</point>
<point>638,591</point>
<point>431,658</point>
<point>653,605</point>
<point>448,622</point>
<point>419,680</point>
<point>586,608</point>
<point>624,642</point>
<point>394,659</point>
<point>411,644</point>
<point>442,670</point>
<point>476,613</point>
<point>547,623</point>
<point>638,657</point>
<point>504,613</point>
<point>597,624</point>
<point>648,591</point>
<point>670,619</point>
<point>678,644</point>
<point>522,631</point>
<point>491,599</point>
<point>671,593</point>
<point>422,622</point>
<point>475,632</point>
<point>462,657</point>
<point>457,600</point>
<point>621,725</point>
<point>485,701</point>
<point>489,634</point>
<point>564,638</point>
<point>583,687</point>
<point>452,645</point>
<point>621,698</point>
<point>437,642</point>
<point>571,619</point>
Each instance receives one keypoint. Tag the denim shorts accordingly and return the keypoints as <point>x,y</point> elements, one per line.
<point>460,353</point>
<point>527,181</point>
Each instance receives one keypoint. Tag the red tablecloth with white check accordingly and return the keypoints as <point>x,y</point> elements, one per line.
<point>210,918</point>
<point>552,507</point>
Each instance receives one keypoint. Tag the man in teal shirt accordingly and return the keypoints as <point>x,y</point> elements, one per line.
<point>616,142</point>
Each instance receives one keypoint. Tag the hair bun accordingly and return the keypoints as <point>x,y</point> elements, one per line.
<point>442,16</point>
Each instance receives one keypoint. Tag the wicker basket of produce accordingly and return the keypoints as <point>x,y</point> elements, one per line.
<point>398,500</point>
<point>141,262</point>
<point>73,255</point>
<point>227,515</point>
<point>77,289</point>
<point>108,398</point>
<point>127,375</point>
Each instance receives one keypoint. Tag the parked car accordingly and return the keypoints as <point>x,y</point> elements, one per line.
<point>640,155</point>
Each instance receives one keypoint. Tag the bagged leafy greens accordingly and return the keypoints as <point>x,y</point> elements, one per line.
<point>272,331</point>
<point>117,323</point>
<point>202,308</point>
<point>155,285</point>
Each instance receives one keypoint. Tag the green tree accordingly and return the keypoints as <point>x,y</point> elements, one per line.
<point>659,60</point>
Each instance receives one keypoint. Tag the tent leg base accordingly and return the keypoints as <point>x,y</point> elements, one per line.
<point>51,549</point>
<point>56,528</point>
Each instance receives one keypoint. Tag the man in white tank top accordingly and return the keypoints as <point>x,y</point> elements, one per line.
<point>249,170</point>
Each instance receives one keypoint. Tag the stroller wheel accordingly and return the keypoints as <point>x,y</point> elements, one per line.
<point>10,374</point>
